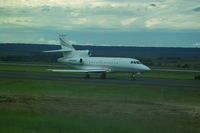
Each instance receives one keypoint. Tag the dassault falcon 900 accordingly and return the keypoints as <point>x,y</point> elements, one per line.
<point>82,62</point>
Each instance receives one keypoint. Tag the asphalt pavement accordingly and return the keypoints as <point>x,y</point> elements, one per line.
<point>109,80</point>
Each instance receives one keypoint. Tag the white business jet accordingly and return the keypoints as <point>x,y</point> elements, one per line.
<point>82,62</point>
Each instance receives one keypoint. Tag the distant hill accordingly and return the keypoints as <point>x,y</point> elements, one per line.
<point>144,52</point>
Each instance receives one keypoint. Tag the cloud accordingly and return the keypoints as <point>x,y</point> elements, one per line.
<point>154,5</point>
<point>110,14</point>
<point>55,42</point>
<point>176,22</point>
<point>97,16</point>
<point>152,22</point>
<point>197,9</point>
<point>25,21</point>
<point>128,21</point>
<point>196,45</point>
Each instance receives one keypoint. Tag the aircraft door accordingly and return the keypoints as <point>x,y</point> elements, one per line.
<point>81,60</point>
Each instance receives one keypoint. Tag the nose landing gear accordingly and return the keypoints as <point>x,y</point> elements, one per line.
<point>133,76</point>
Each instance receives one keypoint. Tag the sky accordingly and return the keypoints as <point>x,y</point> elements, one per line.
<point>152,23</point>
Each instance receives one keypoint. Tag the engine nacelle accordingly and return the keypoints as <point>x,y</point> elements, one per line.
<point>77,61</point>
<point>83,53</point>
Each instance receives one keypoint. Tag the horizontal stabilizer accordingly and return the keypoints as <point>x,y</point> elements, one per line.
<point>60,50</point>
<point>84,71</point>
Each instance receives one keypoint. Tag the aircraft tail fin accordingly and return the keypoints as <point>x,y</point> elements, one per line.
<point>65,44</point>
<point>68,50</point>
<point>66,47</point>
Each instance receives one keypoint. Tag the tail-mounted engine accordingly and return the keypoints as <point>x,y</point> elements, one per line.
<point>83,53</point>
<point>77,61</point>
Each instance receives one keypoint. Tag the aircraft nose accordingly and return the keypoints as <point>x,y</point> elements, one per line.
<point>146,68</point>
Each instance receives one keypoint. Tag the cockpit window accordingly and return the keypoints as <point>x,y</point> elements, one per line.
<point>135,62</point>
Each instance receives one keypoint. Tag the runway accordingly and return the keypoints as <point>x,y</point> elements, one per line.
<point>60,65</point>
<point>110,80</point>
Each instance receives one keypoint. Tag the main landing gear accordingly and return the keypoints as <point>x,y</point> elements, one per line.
<point>133,76</point>
<point>87,76</point>
<point>102,76</point>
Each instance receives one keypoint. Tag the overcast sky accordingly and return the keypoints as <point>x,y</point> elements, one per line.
<point>167,23</point>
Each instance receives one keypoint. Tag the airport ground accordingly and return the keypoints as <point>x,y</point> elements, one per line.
<point>37,101</point>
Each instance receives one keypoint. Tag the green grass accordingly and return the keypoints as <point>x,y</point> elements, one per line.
<point>26,68</point>
<point>117,90</point>
<point>51,123</point>
<point>44,106</point>
<point>170,75</point>
<point>48,106</point>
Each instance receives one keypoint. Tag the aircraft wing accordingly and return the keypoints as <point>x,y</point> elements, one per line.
<point>83,71</point>
<point>57,51</point>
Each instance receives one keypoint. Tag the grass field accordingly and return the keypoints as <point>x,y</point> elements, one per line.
<point>44,106</point>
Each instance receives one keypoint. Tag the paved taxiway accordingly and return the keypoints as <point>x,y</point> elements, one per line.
<point>115,80</point>
<point>60,65</point>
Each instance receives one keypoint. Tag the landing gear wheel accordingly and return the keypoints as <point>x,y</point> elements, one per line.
<point>103,76</point>
<point>133,76</point>
<point>87,76</point>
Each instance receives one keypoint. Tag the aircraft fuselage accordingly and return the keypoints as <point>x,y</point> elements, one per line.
<point>108,63</point>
